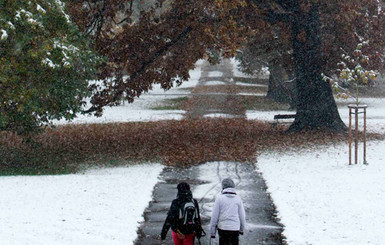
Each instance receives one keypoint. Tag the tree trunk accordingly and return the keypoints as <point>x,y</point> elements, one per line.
<point>316,107</point>
<point>277,90</point>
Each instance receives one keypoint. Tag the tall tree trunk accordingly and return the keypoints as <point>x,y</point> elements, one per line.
<point>316,107</point>
<point>277,89</point>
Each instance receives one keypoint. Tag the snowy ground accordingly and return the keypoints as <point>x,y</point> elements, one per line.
<point>97,207</point>
<point>322,200</point>
<point>375,114</point>
<point>140,109</point>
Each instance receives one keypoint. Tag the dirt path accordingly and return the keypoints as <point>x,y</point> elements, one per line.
<point>214,96</point>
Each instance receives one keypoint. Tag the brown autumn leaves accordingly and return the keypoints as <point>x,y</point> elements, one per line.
<point>181,143</point>
<point>161,49</point>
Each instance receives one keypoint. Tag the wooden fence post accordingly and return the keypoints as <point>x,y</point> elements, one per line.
<point>357,109</point>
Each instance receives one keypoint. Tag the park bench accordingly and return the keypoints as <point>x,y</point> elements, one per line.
<point>282,119</point>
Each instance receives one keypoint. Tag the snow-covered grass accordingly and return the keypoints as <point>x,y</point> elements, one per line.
<point>250,84</point>
<point>322,200</point>
<point>252,94</point>
<point>128,113</point>
<point>220,115</point>
<point>375,114</point>
<point>140,110</point>
<point>100,206</point>
<point>214,83</point>
<point>215,74</point>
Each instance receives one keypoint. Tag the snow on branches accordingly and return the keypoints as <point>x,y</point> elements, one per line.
<point>45,64</point>
<point>353,71</point>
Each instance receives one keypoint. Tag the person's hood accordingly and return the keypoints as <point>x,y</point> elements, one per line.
<point>227,183</point>
<point>230,192</point>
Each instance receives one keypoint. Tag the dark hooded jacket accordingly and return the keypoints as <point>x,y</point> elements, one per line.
<point>172,219</point>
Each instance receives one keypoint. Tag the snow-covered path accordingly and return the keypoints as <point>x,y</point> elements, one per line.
<point>97,207</point>
<point>205,181</point>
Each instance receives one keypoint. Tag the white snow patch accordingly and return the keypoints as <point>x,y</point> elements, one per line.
<point>22,11</point>
<point>323,201</point>
<point>126,113</point>
<point>220,115</point>
<point>61,6</point>
<point>67,47</point>
<point>236,71</point>
<point>215,74</point>
<point>11,25</point>
<point>252,94</point>
<point>320,199</point>
<point>40,8</point>
<point>49,63</point>
<point>250,84</point>
<point>208,173</point>
<point>375,115</point>
<point>4,34</point>
<point>98,207</point>
<point>213,83</point>
<point>140,109</point>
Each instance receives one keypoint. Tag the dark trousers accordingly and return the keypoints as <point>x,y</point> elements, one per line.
<point>228,237</point>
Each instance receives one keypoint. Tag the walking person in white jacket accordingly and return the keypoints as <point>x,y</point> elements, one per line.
<point>228,215</point>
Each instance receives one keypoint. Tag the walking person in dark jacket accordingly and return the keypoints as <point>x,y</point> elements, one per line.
<point>183,217</point>
<point>228,215</point>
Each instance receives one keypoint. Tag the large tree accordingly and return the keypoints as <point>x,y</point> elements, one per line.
<point>163,44</point>
<point>316,50</point>
<point>275,53</point>
<point>45,64</point>
<point>317,33</point>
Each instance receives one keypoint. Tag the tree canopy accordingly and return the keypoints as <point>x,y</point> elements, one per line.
<point>160,47</point>
<point>165,41</point>
<point>45,64</point>
<point>158,41</point>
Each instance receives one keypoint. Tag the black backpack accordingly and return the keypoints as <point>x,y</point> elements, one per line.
<point>188,215</point>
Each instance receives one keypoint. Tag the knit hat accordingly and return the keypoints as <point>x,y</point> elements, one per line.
<point>183,186</point>
<point>227,183</point>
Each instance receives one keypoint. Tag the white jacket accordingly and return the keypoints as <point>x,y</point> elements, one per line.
<point>228,213</point>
